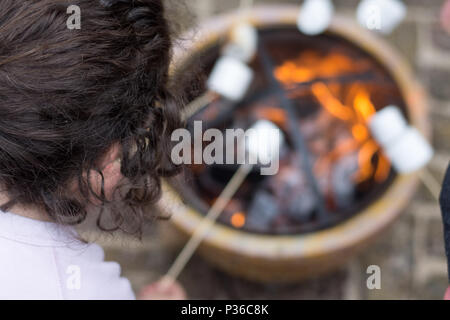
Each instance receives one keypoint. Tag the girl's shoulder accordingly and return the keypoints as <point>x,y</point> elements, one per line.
<point>42,260</point>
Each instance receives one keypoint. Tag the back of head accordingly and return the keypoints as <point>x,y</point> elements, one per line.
<point>66,96</point>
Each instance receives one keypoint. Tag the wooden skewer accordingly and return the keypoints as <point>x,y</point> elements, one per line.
<point>430,182</point>
<point>198,104</point>
<point>233,185</point>
<point>209,96</point>
<point>219,205</point>
<point>208,221</point>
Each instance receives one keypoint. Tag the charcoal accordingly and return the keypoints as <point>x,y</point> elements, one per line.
<point>234,206</point>
<point>262,210</point>
<point>301,205</point>
<point>281,224</point>
<point>210,186</point>
<point>342,180</point>
<point>296,198</point>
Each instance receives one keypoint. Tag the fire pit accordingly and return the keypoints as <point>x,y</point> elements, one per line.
<point>330,197</point>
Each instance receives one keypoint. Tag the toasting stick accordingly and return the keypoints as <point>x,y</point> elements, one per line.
<point>404,145</point>
<point>409,151</point>
<point>231,77</point>
<point>262,145</point>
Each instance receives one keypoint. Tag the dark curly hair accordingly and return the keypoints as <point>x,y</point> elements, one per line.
<point>67,96</point>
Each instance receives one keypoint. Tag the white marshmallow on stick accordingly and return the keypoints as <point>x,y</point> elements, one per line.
<point>381,15</point>
<point>243,42</point>
<point>261,128</point>
<point>230,78</point>
<point>404,145</point>
<point>315,16</point>
<point>264,141</point>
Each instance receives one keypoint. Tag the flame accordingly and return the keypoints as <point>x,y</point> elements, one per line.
<point>238,219</point>
<point>363,105</point>
<point>311,66</point>
<point>355,108</point>
<point>347,146</point>
<point>329,102</point>
<point>290,73</point>
<point>357,116</point>
<point>365,155</point>
<point>383,169</point>
<point>274,114</point>
<point>360,132</point>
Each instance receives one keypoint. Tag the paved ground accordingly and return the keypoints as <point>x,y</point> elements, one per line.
<point>410,253</point>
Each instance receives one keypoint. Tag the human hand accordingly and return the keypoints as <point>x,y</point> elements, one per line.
<point>447,294</point>
<point>163,290</point>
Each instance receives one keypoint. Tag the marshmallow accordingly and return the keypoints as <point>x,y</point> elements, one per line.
<point>387,125</point>
<point>409,153</point>
<point>230,78</point>
<point>264,141</point>
<point>380,15</point>
<point>404,145</point>
<point>315,16</point>
<point>243,42</point>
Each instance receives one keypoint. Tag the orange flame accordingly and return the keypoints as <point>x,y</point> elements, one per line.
<point>363,105</point>
<point>274,114</point>
<point>356,109</point>
<point>309,66</point>
<point>367,151</point>
<point>329,102</point>
<point>360,132</point>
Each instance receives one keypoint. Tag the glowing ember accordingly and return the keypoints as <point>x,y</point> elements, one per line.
<point>238,220</point>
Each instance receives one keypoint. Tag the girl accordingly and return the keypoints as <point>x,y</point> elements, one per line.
<point>85,122</point>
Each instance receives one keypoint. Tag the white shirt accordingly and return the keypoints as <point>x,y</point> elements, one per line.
<point>43,260</point>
